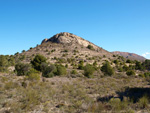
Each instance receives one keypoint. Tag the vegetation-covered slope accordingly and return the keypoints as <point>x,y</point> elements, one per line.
<point>67,74</point>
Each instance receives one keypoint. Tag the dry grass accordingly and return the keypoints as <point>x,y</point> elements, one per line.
<point>70,95</point>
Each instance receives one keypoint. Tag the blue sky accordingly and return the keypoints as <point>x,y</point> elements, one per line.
<point>115,25</point>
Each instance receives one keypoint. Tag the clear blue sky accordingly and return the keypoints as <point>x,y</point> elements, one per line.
<point>115,25</point>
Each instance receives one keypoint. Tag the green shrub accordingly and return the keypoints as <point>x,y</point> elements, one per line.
<point>125,68</point>
<point>116,62</point>
<point>107,69</point>
<point>33,75</point>
<point>11,61</point>
<point>131,67</point>
<point>61,70</point>
<point>95,64</point>
<point>81,65</point>
<point>23,51</point>
<point>49,71</point>
<point>138,66</point>
<point>3,63</point>
<point>88,71</point>
<point>65,50</point>
<point>22,57</point>
<point>66,65</point>
<point>130,72</point>
<point>90,47</point>
<point>53,50</point>
<point>146,64</point>
<point>22,69</point>
<point>74,72</point>
<point>17,53</point>
<point>120,69</point>
<point>37,61</point>
<point>114,55</point>
<point>61,60</point>
<point>53,70</point>
<point>128,61</point>
<point>141,75</point>
<point>147,74</point>
<point>143,102</point>
<point>118,105</point>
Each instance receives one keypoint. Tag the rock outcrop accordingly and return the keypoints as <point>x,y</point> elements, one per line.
<point>69,38</point>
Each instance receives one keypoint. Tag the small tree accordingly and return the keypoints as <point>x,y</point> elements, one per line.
<point>88,71</point>
<point>49,71</point>
<point>107,69</point>
<point>37,61</point>
<point>22,69</point>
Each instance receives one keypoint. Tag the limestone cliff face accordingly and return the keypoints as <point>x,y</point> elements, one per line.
<point>69,38</point>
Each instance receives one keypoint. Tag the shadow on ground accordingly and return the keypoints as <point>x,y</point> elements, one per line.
<point>133,94</point>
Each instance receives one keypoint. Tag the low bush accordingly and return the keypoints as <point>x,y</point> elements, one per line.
<point>3,63</point>
<point>53,70</point>
<point>49,71</point>
<point>33,75</point>
<point>141,75</point>
<point>128,61</point>
<point>88,71</point>
<point>61,70</point>
<point>81,65</point>
<point>107,69</point>
<point>37,61</point>
<point>130,72</point>
<point>143,102</point>
<point>90,47</point>
<point>116,62</point>
<point>147,74</point>
<point>74,72</point>
<point>22,69</point>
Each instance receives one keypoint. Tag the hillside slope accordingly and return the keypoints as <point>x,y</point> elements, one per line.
<point>131,56</point>
<point>66,45</point>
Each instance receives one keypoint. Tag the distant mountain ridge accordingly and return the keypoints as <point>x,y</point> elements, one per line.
<point>75,47</point>
<point>128,55</point>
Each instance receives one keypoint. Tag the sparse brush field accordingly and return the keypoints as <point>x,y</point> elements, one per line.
<point>74,77</point>
<point>74,95</point>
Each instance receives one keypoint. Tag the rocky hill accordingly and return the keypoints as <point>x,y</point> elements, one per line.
<point>131,56</point>
<point>66,45</point>
<point>70,39</point>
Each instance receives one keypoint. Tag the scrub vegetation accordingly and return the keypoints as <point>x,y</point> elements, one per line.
<point>59,78</point>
